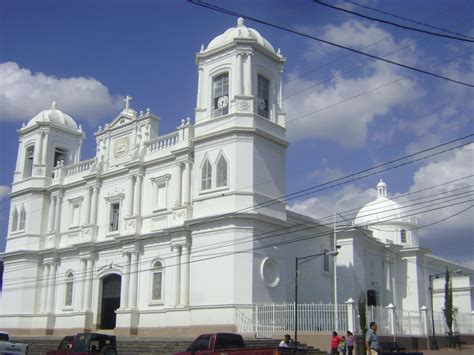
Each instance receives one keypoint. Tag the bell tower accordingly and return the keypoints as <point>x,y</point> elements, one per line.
<point>240,135</point>
<point>240,72</point>
<point>49,138</point>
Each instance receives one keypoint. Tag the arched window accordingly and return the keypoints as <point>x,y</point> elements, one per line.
<point>220,95</point>
<point>403,236</point>
<point>157,281</point>
<point>69,289</point>
<point>28,167</point>
<point>221,172</point>
<point>22,221</point>
<point>206,176</point>
<point>14,220</point>
<point>263,96</point>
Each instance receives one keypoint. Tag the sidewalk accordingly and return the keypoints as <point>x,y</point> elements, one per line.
<point>465,350</point>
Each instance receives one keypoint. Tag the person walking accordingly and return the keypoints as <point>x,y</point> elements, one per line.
<point>371,341</point>
<point>350,342</point>
<point>335,343</point>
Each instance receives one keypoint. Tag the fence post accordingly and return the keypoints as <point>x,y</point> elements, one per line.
<point>256,320</point>
<point>391,312</point>
<point>350,314</point>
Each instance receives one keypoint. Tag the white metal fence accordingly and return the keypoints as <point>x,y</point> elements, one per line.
<point>264,320</point>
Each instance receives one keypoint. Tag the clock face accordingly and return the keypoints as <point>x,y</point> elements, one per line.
<point>261,104</point>
<point>223,101</point>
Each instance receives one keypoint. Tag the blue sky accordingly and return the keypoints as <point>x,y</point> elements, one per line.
<point>345,113</point>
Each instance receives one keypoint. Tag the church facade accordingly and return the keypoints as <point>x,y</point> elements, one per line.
<point>170,234</point>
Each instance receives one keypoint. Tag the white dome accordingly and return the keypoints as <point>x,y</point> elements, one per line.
<point>53,115</point>
<point>381,210</point>
<point>239,32</point>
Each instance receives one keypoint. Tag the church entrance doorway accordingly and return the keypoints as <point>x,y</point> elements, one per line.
<point>110,300</point>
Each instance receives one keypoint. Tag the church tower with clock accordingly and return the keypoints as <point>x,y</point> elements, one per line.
<point>240,122</point>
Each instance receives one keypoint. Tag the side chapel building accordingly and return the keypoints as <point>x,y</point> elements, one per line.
<point>158,234</point>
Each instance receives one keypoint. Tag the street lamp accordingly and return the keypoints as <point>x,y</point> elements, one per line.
<point>434,343</point>
<point>299,261</point>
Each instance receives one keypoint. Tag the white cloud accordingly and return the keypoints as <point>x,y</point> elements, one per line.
<point>346,122</point>
<point>458,165</point>
<point>352,100</point>
<point>368,38</point>
<point>4,191</point>
<point>346,202</point>
<point>23,94</point>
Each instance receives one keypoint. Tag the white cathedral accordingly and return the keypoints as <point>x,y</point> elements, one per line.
<point>169,234</point>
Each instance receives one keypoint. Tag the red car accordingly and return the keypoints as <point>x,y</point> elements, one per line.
<point>86,344</point>
<point>231,344</point>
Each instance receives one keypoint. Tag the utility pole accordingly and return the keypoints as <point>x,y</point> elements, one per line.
<point>334,247</point>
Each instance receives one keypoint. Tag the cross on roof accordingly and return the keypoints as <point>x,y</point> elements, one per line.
<point>127,102</point>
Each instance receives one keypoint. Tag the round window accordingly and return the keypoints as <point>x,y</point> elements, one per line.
<point>269,272</point>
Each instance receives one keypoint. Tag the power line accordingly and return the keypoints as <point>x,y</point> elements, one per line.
<point>407,19</point>
<point>327,185</point>
<point>233,13</point>
<point>319,2</point>
<point>448,199</point>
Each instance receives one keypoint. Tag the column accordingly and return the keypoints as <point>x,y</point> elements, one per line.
<point>86,213</point>
<point>52,286</point>
<point>52,208</point>
<point>177,273</point>
<point>130,196</point>
<point>187,183</point>
<point>388,280</point>
<point>95,200</point>
<point>88,288</point>
<point>280,90</point>
<point>391,316</point>
<point>78,152</point>
<point>44,296</point>
<point>241,74</point>
<point>38,149</point>
<point>125,283</point>
<point>178,185</point>
<point>138,194</point>
<point>236,76</point>
<point>133,289</point>
<point>81,291</point>
<point>45,148</point>
<point>200,88</point>
<point>248,75</point>
<point>19,157</point>
<point>57,213</point>
<point>185,258</point>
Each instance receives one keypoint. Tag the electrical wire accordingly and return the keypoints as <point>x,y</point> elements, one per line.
<point>267,23</point>
<point>319,2</point>
<point>407,19</point>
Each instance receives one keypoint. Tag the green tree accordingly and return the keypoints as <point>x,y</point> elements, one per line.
<point>362,323</point>
<point>448,303</point>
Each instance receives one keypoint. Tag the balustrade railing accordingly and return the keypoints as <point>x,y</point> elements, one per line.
<point>80,167</point>
<point>163,142</point>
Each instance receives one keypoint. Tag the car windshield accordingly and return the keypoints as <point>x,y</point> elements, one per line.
<point>80,345</point>
<point>201,343</point>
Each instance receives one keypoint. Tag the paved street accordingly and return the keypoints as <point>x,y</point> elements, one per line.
<point>465,350</point>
